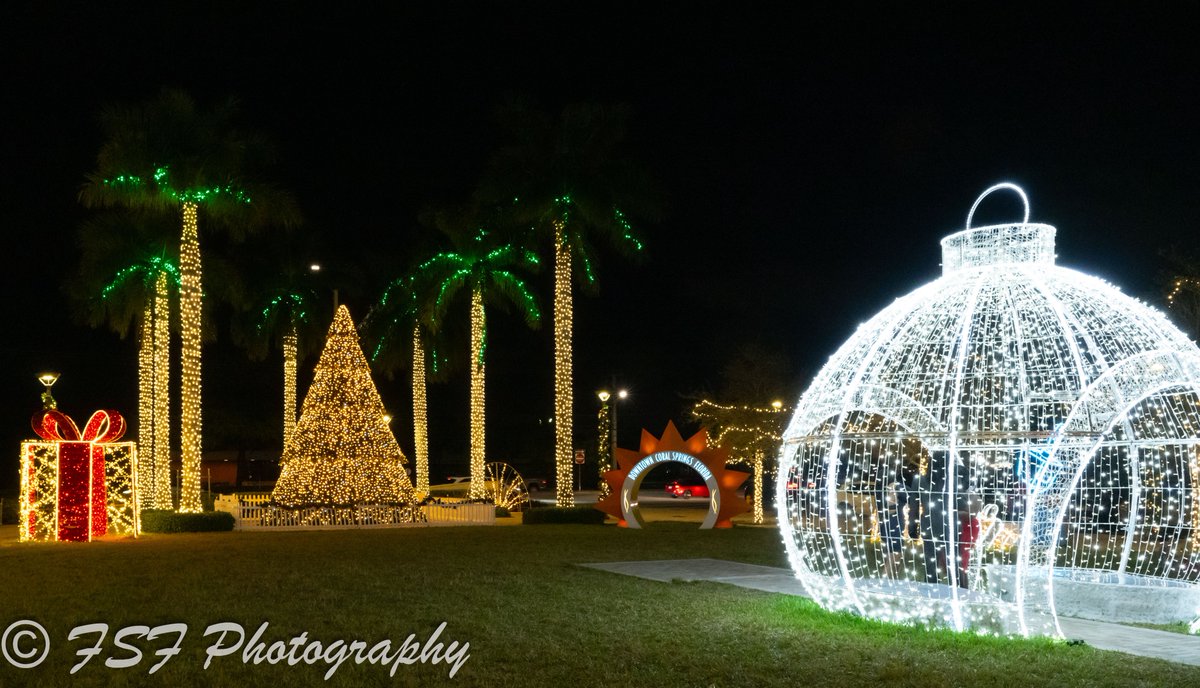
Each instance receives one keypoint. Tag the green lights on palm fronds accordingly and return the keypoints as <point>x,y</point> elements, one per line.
<point>162,183</point>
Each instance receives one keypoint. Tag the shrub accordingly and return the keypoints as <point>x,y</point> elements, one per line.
<point>501,512</point>
<point>157,521</point>
<point>571,514</point>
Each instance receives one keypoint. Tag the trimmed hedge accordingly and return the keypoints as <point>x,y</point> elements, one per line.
<point>158,521</point>
<point>572,514</point>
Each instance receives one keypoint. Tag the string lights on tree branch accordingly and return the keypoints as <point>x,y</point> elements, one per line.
<point>750,433</point>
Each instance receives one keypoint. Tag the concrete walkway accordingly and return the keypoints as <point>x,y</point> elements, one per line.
<point>1173,647</point>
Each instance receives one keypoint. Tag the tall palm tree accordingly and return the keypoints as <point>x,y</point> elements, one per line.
<point>485,270</point>
<point>126,276</point>
<point>168,154</point>
<point>398,325</point>
<point>571,178</point>
<point>282,309</point>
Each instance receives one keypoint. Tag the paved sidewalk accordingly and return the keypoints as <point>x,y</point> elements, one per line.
<point>1173,647</point>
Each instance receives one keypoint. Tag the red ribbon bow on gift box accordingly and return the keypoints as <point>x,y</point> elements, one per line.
<point>81,510</point>
<point>103,426</point>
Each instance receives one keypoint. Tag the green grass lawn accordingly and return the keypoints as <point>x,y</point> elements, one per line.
<point>531,615</point>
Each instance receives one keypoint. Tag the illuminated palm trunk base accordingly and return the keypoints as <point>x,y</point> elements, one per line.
<point>420,414</point>
<point>477,379</point>
<point>563,445</point>
<point>160,489</point>
<point>289,384</point>
<point>189,315</point>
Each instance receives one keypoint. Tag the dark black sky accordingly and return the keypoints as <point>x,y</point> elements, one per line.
<point>811,164</point>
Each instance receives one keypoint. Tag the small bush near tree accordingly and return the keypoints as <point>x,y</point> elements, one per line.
<point>159,521</point>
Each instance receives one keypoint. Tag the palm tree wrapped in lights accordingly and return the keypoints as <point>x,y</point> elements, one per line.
<point>485,271</point>
<point>282,309</point>
<point>168,155</point>
<point>127,276</point>
<point>397,325</point>
<point>571,179</point>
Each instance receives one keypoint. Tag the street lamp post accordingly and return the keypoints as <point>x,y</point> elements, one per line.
<point>604,441</point>
<point>48,379</point>
<point>607,433</point>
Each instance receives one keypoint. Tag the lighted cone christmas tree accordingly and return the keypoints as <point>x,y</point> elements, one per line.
<point>342,452</point>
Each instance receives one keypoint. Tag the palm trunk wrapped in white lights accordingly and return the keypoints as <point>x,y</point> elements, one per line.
<point>161,404</point>
<point>1008,443</point>
<point>564,452</point>
<point>190,295</point>
<point>478,448</point>
<point>289,381</point>
<point>420,413</point>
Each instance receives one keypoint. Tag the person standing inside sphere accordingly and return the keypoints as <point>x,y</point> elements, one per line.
<point>893,499</point>
<point>930,489</point>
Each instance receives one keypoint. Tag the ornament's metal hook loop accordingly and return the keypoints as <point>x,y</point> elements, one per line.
<point>997,187</point>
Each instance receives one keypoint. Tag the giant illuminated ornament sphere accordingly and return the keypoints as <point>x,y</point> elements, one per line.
<point>1009,443</point>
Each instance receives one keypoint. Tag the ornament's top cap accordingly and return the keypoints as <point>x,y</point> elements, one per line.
<point>976,247</point>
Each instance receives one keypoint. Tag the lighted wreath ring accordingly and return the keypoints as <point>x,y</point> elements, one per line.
<point>632,466</point>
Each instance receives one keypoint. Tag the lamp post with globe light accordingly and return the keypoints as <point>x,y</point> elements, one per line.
<point>604,441</point>
<point>606,436</point>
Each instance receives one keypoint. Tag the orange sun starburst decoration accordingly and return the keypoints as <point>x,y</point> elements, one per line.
<point>693,451</point>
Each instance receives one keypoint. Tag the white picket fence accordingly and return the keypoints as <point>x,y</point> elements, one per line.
<point>251,512</point>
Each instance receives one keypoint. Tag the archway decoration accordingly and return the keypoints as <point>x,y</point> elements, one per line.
<point>632,467</point>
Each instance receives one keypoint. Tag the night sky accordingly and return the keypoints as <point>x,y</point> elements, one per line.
<point>810,165</point>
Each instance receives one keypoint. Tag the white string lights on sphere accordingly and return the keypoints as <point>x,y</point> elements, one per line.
<point>1009,443</point>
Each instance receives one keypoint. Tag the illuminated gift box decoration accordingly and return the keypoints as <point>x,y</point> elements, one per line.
<point>1011,442</point>
<point>77,485</point>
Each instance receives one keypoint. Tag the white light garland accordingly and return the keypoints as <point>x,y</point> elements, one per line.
<point>1012,441</point>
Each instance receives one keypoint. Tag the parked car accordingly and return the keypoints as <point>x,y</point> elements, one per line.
<point>687,489</point>
<point>537,484</point>
<point>455,486</point>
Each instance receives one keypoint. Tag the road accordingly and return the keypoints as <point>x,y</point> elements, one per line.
<point>647,498</point>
